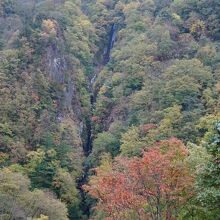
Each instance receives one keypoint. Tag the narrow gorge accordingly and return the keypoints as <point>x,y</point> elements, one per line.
<point>109,109</point>
<point>89,137</point>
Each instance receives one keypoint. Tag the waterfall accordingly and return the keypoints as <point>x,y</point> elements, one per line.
<point>89,137</point>
<point>112,37</point>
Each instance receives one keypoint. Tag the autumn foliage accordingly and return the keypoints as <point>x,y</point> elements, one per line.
<point>154,186</point>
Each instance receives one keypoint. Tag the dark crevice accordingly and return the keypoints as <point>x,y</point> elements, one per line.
<point>88,139</point>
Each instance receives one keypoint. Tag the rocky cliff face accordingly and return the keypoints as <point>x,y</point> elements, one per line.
<point>55,63</point>
<point>60,72</point>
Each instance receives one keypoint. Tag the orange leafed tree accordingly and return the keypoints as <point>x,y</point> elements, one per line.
<point>154,186</point>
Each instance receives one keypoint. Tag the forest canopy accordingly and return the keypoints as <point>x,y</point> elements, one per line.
<point>109,109</point>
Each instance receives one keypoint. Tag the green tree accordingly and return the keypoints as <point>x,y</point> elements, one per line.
<point>104,143</point>
<point>208,179</point>
<point>18,202</point>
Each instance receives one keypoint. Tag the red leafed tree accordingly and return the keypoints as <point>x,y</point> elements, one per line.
<point>154,186</point>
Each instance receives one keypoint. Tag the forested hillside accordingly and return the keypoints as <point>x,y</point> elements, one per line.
<point>110,109</point>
